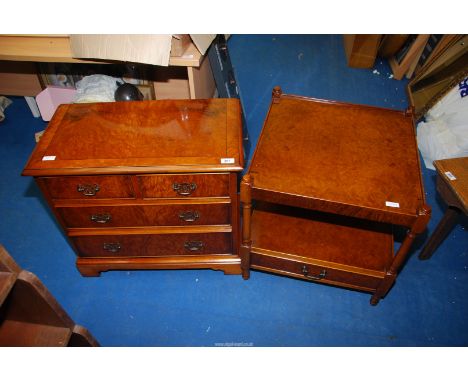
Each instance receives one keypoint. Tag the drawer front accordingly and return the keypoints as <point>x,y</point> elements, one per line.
<point>145,215</point>
<point>89,187</point>
<point>186,185</point>
<point>314,273</point>
<point>153,245</point>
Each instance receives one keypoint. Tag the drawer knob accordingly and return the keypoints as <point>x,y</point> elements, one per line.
<point>305,272</point>
<point>193,245</point>
<point>88,189</point>
<point>189,216</point>
<point>184,189</point>
<point>112,247</point>
<point>101,218</point>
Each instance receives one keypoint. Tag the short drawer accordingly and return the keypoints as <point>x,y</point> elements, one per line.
<point>313,272</point>
<point>184,185</point>
<point>89,187</point>
<point>153,245</point>
<point>145,215</point>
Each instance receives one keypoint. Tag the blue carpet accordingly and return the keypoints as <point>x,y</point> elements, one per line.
<point>426,307</point>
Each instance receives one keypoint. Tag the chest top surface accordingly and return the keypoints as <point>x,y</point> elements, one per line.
<point>141,136</point>
<point>330,151</point>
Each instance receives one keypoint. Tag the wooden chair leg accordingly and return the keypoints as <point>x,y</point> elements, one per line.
<point>444,227</point>
<point>424,214</point>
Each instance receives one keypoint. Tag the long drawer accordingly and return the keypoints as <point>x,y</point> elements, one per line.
<point>178,244</point>
<point>102,216</point>
<point>318,273</point>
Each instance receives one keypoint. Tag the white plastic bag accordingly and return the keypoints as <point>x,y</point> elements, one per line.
<point>96,88</point>
<point>4,103</point>
<point>444,134</point>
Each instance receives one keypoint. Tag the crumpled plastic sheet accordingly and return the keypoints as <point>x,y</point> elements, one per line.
<point>4,103</point>
<point>96,88</point>
<point>444,133</point>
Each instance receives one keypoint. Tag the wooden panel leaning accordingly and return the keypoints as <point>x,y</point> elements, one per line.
<point>30,315</point>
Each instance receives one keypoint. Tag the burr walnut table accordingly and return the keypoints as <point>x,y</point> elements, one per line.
<point>452,186</point>
<point>145,184</point>
<point>326,185</point>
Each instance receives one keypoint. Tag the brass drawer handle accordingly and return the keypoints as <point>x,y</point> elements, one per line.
<point>189,216</point>
<point>88,189</point>
<point>193,245</point>
<point>322,275</point>
<point>101,218</point>
<point>184,189</point>
<point>112,247</point>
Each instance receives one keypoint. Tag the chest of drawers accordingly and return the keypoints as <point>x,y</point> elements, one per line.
<point>326,187</point>
<point>145,185</point>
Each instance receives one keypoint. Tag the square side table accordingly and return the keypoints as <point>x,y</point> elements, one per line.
<point>326,184</point>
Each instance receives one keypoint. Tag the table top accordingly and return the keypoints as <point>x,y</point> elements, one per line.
<point>454,172</point>
<point>141,136</point>
<point>328,155</point>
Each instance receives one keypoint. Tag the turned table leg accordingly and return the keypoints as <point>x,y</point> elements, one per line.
<point>424,214</point>
<point>442,230</point>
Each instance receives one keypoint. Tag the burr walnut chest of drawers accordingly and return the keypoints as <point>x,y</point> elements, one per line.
<point>326,187</point>
<point>145,184</point>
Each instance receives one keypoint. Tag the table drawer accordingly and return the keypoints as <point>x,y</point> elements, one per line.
<point>145,215</point>
<point>153,245</point>
<point>89,187</point>
<point>313,272</point>
<point>184,185</point>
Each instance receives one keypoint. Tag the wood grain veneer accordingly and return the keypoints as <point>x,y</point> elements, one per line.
<point>145,185</point>
<point>327,182</point>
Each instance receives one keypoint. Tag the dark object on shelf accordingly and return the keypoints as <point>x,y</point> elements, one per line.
<point>128,92</point>
<point>30,315</point>
<point>452,186</point>
<point>344,192</point>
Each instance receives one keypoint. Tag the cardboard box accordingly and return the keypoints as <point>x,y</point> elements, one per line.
<point>51,97</point>
<point>179,44</point>
<point>150,49</point>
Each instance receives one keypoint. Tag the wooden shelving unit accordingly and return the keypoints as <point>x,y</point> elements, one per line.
<point>188,76</point>
<point>346,247</point>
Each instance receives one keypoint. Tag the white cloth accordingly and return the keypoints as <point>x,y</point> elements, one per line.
<point>444,134</point>
<point>96,88</point>
<point>4,103</point>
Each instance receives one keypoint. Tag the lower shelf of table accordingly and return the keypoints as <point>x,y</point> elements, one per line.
<point>321,247</point>
<point>93,266</point>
